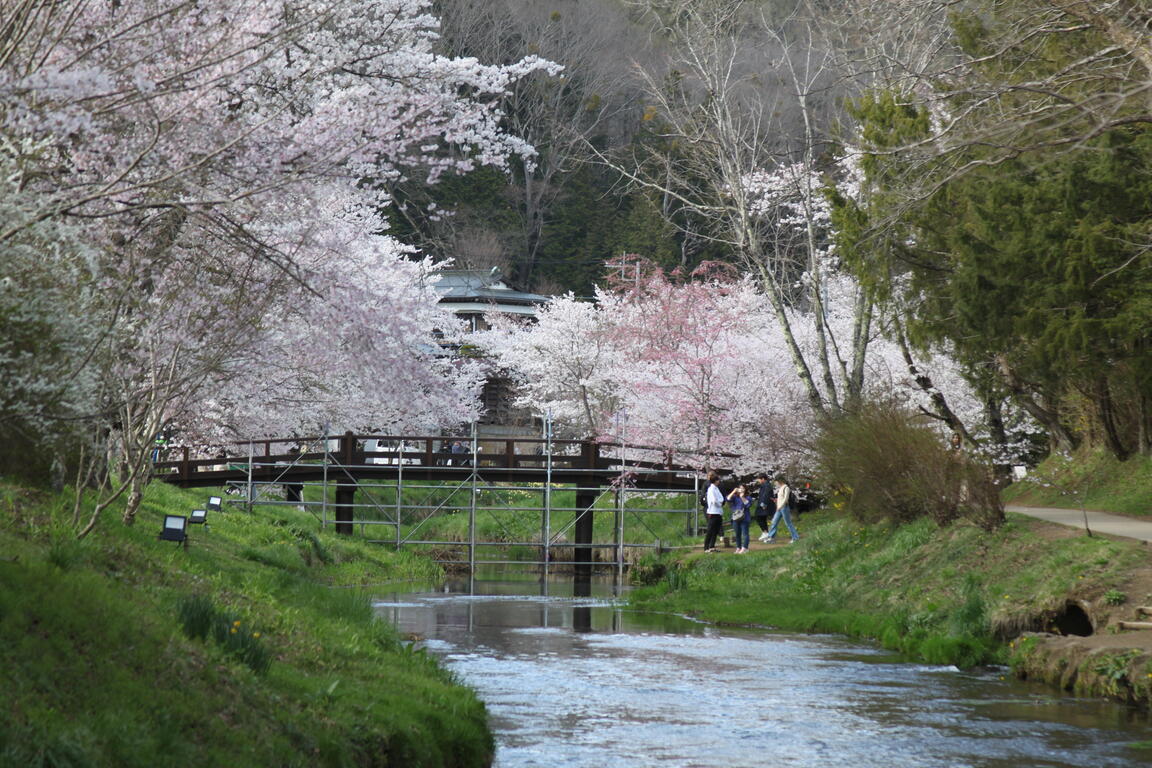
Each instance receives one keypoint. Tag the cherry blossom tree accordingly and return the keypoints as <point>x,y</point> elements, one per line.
<point>47,335</point>
<point>740,151</point>
<point>687,367</point>
<point>565,363</point>
<point>696,369</point>
<point>222,164</point>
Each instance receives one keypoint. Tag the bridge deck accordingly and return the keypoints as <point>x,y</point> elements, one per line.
<point>521,460</point>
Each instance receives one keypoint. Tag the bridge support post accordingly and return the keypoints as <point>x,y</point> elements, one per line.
<point>585,500</point>
<point>582,552</point>
<point>345,516</point>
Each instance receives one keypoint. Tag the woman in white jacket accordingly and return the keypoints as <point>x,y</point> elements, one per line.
<point>714,512</point>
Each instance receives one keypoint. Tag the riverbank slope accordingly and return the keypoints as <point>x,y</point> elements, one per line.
<point>255,645</point>
<point>1043,598</point>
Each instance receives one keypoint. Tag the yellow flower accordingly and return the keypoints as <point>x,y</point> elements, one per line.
<point>236,623</point>
<point>256,634</point>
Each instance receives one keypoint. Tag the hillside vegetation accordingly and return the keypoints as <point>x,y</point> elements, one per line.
<point>949,596</point>
<point>1093,479</point>
<point>256,645</point>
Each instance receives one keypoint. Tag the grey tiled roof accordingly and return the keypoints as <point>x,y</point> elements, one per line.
<point>478,285</point>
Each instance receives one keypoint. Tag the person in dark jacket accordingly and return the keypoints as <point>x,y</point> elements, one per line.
<point>765,504</point>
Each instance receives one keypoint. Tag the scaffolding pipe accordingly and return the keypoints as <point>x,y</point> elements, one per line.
<point>399,489</point>
<point>546,533</point>
<point>251,470</point>
<point>472,508</point>
<point>589,494</point>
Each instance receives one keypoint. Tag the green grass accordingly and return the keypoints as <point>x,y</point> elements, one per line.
<point>257,645</point>
<point>1091,477</point>
<point>945,595</point>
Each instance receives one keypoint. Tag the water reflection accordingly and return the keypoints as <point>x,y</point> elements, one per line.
<point>574,680</point>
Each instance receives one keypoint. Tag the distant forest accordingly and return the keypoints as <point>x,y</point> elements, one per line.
<point>551,227</point>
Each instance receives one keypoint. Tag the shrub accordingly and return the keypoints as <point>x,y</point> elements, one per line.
<point>887,464</point>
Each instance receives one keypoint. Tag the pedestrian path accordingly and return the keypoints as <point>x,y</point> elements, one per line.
<point>1098,522</point>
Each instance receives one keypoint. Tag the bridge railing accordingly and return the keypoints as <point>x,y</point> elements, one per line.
<point>426,451</point>
<point>420,451</point>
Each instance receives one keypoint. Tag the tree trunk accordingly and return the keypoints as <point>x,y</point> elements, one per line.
<point>861,330</point>
<point>1144,430</point>
<point>1062,438</point>
<point>815,401</point>
<point>132,506</point>
<point>939,402</point>
<point>1124,22</point>
<point>994,415</point>
<point>1106,413</point>
<point>813,259</point>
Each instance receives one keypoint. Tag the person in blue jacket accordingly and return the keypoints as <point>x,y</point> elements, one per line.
<point>740,503</point>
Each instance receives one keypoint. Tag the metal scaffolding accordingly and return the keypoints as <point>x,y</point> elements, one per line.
<point>406,510</point>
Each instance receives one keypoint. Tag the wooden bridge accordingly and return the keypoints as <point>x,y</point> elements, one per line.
<point>352,462</point>
<point>518,459</point>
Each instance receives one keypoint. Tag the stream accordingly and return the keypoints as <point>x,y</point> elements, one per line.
<point>581,682</point>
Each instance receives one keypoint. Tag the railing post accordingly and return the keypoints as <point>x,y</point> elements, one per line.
<point>185,467</point>
<point>324,497</point>
<point>347,449</point>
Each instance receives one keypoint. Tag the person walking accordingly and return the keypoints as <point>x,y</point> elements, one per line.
<point>714,512</point>
<point>783,512</point>
<point>740,503</point>
<point>765,504</point>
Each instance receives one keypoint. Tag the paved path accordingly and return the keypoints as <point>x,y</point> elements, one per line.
<point>1099,522</point>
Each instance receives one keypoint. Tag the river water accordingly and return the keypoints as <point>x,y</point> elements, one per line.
<point>580,682</point>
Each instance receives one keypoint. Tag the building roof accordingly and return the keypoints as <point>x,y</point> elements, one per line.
<point>483,290</point>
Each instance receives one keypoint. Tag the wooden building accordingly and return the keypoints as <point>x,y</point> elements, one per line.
<point>471,294</point>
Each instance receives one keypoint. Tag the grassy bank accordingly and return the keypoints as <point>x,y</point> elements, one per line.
<point>1092,478</point>
<point>953,595</point>
<point>256,645</point>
